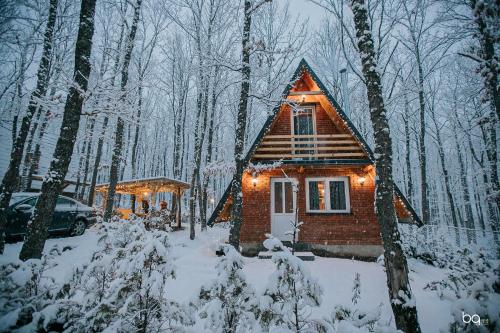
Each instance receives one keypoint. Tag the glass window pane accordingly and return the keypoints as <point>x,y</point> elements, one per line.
<point>278,197</point>
<point>337,195</point>
<point>303,124</point>
<point>63,201</point>
<point>288,197</point>
<point>30,202</point>
<point>316,195</point>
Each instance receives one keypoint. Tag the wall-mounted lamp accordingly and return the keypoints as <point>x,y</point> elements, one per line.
<point>254,179</point>
<point>303,98</point>
<point>361,180</point>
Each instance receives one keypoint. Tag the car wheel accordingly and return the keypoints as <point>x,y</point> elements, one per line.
<point>78,228</point>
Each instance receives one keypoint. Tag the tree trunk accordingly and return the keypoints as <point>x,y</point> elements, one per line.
<point>400,294</point>
<point>406,119</point>
<point>37,154</point>
<point>485,16</point>
<point>204,194</point>
<point>87,159</point>
<point>97,161</point>
<point>446,177</point>
<point>52,185</point>
<point>28,156</point>
<point>422,152</point>
<point>100,141</point>
<point>241,120</point>
<point>11,178</point>
<point>483,12</point>
<point>469,217</point>
<point>117,151</point>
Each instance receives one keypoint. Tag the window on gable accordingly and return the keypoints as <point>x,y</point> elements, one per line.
<point>303,124</point>
<point>327,195</point>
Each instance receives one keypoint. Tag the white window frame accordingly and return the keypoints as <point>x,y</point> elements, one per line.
<point>325,181</point>
<point>312,107</point>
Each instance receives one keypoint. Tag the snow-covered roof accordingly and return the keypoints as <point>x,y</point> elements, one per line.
<point>141,185</point>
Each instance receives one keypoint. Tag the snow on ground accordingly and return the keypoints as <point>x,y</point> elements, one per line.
<point>195,265</point>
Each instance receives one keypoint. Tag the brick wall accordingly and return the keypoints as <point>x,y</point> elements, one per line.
<point>359,227</point>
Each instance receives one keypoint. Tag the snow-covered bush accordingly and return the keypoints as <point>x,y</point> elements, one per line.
<point>344,319</point>
<point>347,320</point>
<point>158,219</point>
<point>25,291</point>
<point>472,285</point>
<point>290,295</point>
<point>228,303</point>
<point>123,287</point>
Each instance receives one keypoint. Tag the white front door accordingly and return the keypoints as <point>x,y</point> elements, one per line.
<point>283,201</point>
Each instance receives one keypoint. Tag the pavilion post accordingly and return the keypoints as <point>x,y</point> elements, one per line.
<point>153,199</point>
<point>132,203</point>
<point>178,215</point>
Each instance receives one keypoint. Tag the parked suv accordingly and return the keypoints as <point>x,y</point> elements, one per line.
<point>70,216</point>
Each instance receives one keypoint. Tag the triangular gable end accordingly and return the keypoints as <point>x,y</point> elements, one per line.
<point>314,83</point>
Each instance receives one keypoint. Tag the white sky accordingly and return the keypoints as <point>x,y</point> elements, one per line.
<point>307,9</point>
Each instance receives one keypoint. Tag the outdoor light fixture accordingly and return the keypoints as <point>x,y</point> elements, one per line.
<point>254,179</point>
<point>303,98</point>
<point>361,180</point>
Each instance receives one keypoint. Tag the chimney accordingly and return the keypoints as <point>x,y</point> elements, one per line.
<point>345,92</point>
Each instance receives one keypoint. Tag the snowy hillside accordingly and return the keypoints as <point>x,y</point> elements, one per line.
<point>195,265</point>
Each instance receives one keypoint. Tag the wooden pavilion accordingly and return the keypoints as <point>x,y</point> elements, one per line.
<point>148,188</point>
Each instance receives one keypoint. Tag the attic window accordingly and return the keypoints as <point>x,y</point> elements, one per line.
<point>303,125</point>
<point>327,195</point>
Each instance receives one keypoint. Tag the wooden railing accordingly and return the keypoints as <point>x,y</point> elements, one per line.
<point>318,146</point>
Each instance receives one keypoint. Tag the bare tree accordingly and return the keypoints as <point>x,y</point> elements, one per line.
<point>53,181</point>
<point>400,294</point>
<point>241,120</point>
<point>11,177</point>
<point>117,151</point>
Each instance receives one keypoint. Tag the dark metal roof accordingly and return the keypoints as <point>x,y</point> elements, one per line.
<point>304,66</point>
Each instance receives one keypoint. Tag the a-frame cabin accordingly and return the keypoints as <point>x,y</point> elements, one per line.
<point>321,150</point>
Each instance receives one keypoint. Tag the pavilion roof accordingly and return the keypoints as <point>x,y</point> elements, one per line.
<point>146,185</point>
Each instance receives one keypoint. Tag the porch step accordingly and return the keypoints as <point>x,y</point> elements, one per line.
<point>305,256</point>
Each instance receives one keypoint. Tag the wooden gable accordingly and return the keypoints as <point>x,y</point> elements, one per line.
<point>332,138</point>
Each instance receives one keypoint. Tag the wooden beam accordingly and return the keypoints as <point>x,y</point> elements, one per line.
<point>336,142</point>
<point>348,148</point>
<point>307,136</point>
<point>268,156</point>
<point>178,213</point>
<point>299,93</point>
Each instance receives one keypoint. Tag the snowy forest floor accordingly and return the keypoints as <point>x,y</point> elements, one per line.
<point>195,263</point>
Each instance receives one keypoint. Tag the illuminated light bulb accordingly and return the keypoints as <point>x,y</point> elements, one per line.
<point>254,181</point>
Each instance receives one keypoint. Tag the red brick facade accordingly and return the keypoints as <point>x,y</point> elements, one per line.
<point>359,227</point>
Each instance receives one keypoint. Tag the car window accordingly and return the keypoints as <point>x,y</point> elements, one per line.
<point>18,198</point>
<point>30,202</point>
<point>63,202</point>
